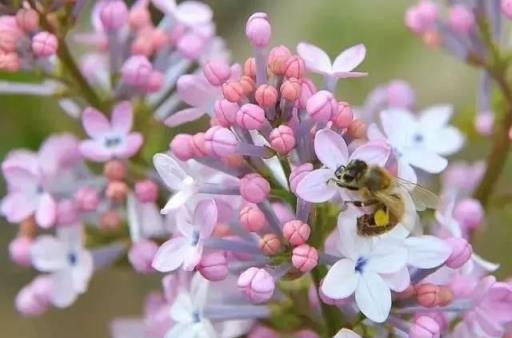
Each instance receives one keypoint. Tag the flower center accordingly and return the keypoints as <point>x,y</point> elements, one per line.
<point>195,237</point>
<point>418,138</point>
<point>361,262</point>
<point>39,190</point>
<point>72,258</point>
<point>196,317</point>
<point>112,141</point>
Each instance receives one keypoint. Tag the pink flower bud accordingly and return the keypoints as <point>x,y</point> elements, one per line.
<point>87,198</point>
<point>282,139</point>
<point>357,129</point>
<point>277,59</point>
<point>506,8</point>
<point>110,220</point>
<point>42,288</point>
<point>484,123</point>
<point>428,11</point>
<point>427,295</point>
<point>232,91</point>
<point>141,255</point>
<point>248,85</point>
<point>445,296</point>
<point>250,116</point>
<point>9,34</point>
<point>220,141</point>
<point>115,170</point>
<point>181,147</point>
<point>44,44</point>
<point>217,72</point>
<point>432,39</point>
<point>400,94</point>
<point>139,17</point>
<point>270,244</point>
<point>266,95</point>
<point>296,232</point>
<point>322,106</point>
<point>461,252</point>
<point>155,82</point>
<point>142,45</point>
<point>19,251</point>
<point>250,67</point>
<point>307,90</point>
<point>27,19</point>
<point>290,89</point>
<point>159,39</point>
<point>252,218</point>
<point>424,327</point>
<point>27,304</point>
<point>298,174</point>
<point>10,62</point>
<point>254,188</point>
<point>146,191</point>
<point>256,284</point>
<point>116,190</point>
<point>343,116</point>
<point>304,258</point>
<point>113,14</point>
<point>214,266</point>
<point>199,145</point>
<point>469,213</point>
<point>136,70</point>
<point>294,67</point>
<point>191,45</point>
<point>461,19</point>
<point>225,112</point>
<point>67,212</point>
<point>258,30</point>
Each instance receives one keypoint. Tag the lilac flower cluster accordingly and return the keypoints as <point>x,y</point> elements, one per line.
<point>262,234</point>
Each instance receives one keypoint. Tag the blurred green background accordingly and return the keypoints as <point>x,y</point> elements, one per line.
<point>333,25</point>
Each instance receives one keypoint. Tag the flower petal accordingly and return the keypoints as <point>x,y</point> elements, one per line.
<point>316,60</point>
<point>94,122</point>
<point>373,153</point>
<point>349,59</point>
<point>17,206</point>
<point>183,308</point>
<point>171,254</point>
<point>184,116</point>
<point>205,217</point>
<point>192,257</point>
<point>193,13</point>
<point>349,75</point>
<point>63,292</point>
<point>395,122</point>
<point>131,146</point>
<point>346,333</point>
<point>445,141</point>
<point>19,178</point>
<point>341,280</point>
<point>122,117</point>
<point>436,117</point>
<point>426,252</point>
<point>82,273</point>
<point>425,160</point>
<point>373,297</point>
<point>177,200</point>
<point>170,171</point>
<point>94,151</point>
<point>330,148</point>
<point>398,281</point>
<point>314,187</point>
<point>48,254</point>
<point>406,172</point>
<point>387,256</point>
<point>46,212</point>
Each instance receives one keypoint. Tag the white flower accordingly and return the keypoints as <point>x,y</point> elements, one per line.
<point>70,265</point>
<point>187,312</point>
<point>346,333</point>
<point>419,142</point>
<point>362,270</point>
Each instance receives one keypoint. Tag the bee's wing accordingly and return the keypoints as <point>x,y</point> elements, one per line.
<point>422,197</point>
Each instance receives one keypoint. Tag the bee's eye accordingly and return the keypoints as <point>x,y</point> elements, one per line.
<point>348,177</point>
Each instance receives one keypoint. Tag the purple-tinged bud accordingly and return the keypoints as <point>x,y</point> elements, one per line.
<point>214,266</point>
<point>27,19</point>
<point>461,252</point>
<point>424,327</point>
<point>225,112</point>
<point>294,67</point>
<point>254,188</point>
<point>304,257</point>
<point>282,139</point>
<point>217,72</point>
<point>141,255</point>
<point>298,174</point>
<point>343,116</point>
<point>113,14</point>
<point>44,44</point>
<point>67,212</point>
<point>258,30</point>
<point>87,199</point>
<point>250,67</point>
<point>506,8</point>
<point>220,141</point>
<point>427,295</point>
<point>252,218</point>
<point>199,145</point>
<point>266,95</point>
<point>291,89</point>
<point>250,116</point>
<point>277,59</point>
<point>146,191</point>
<point>233,91</point>
<point>322,106</point>
<point>114,170</point>
<point>461,19</point>
<point>469,213</point>
<point>307,89</point>
<point>191,45</point>
<point>155,82</point>
<point>256,284</point>
<point>296,232</point>
<point>19,251</point>
<point>270,244</point>
<point>181,147</point>
<point>136,70</point>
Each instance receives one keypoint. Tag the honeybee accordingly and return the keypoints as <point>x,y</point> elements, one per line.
<point>384,192</point>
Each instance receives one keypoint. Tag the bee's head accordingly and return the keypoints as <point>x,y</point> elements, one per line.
<point>352,172</point>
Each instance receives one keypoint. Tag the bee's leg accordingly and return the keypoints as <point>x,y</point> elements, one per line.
<point>362,203</point>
